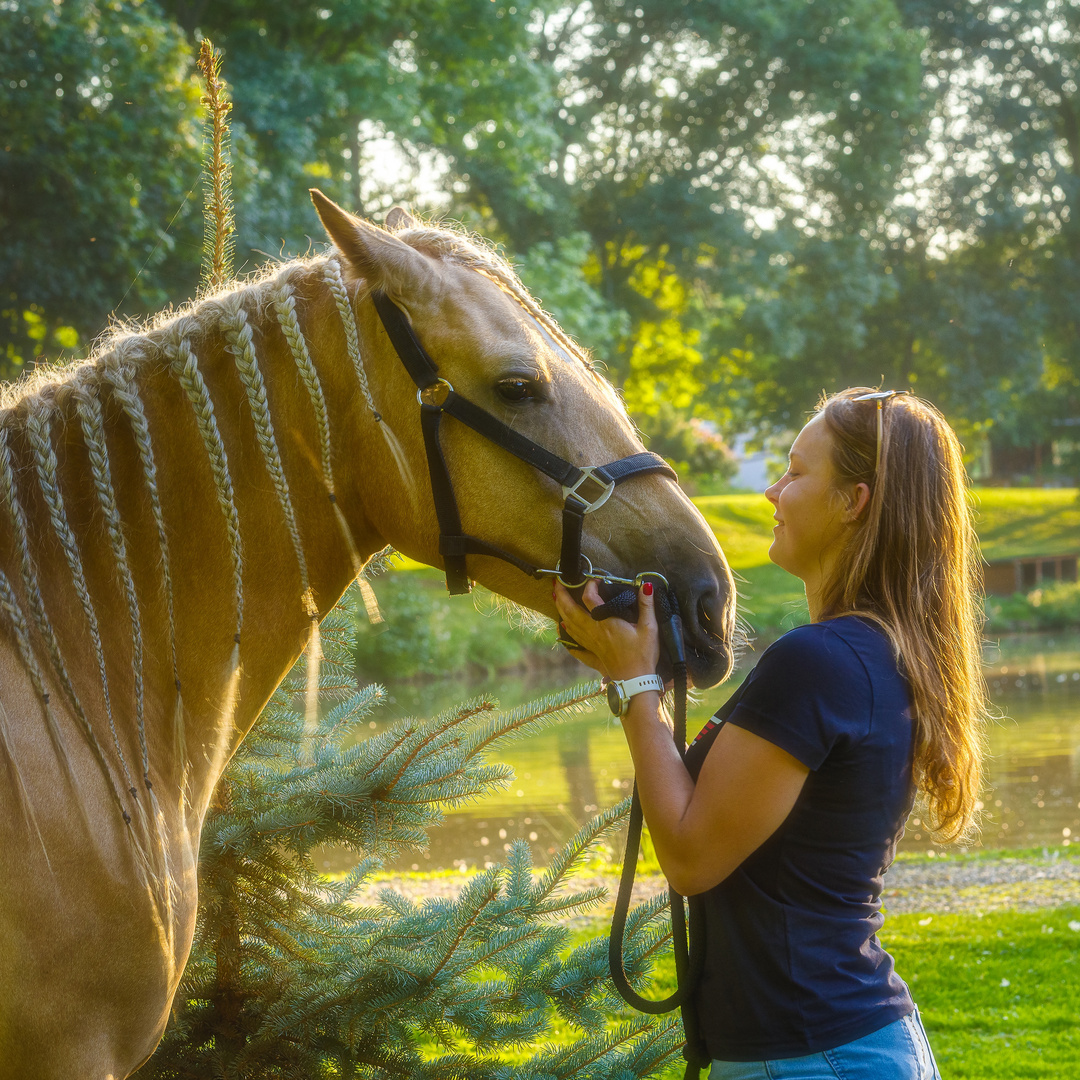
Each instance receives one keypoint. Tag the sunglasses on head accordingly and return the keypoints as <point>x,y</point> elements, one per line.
<point>880,396</point>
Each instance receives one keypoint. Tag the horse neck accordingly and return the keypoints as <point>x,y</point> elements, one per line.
<point>185,520</point>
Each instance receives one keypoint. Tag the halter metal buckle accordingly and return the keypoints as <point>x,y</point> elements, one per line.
<point>434,395</point>
<point>589,489</point>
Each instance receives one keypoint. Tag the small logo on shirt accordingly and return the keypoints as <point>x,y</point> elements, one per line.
<point>710,725</point>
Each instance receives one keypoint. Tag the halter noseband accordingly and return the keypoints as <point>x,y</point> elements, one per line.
<point>585,488</point>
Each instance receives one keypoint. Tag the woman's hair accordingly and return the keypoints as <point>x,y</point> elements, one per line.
<point>912,564</point>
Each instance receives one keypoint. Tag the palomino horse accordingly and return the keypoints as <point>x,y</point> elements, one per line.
<point>177,512</point>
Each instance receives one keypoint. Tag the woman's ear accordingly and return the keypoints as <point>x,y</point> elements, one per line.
<point>858,501</point>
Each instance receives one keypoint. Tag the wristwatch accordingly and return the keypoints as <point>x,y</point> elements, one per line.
<point>620,693</point>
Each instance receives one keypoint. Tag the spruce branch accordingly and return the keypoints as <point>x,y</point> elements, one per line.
<point>219,239</point>
<point>295,975</point>
<point>534,715</point>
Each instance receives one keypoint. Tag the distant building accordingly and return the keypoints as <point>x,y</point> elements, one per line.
<point>1003,577</point>
<point>757,470</point>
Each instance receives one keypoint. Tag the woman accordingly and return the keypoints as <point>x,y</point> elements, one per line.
<point>788,808</point>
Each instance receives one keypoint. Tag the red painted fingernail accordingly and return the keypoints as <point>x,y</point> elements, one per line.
<point>647,588</point>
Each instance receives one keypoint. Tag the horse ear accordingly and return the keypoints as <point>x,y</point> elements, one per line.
<point>371,253</point>
<point>399,218</point>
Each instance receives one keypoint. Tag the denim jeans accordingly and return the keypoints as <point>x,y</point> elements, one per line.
<point>899,1051</point>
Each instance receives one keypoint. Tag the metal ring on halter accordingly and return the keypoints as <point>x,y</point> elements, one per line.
<point>602,575</point>
<point>575,585</point>
<point>426,395</point>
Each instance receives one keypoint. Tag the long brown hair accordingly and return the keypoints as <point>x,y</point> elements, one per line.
<point>912,564</point>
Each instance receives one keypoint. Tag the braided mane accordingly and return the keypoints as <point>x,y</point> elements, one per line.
<point>32,408</point>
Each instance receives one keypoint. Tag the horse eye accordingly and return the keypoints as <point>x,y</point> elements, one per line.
<point>513,390</point>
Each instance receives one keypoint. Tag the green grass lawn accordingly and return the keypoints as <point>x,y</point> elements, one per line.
<point>1016,522</point>
<point>999,995</point>
<point>770,599</point>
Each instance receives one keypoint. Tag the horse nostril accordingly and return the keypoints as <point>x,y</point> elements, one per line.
<point>704,618</point>
<point>710,611</point>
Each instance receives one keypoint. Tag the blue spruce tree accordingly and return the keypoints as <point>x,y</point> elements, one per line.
<point>292,975</point>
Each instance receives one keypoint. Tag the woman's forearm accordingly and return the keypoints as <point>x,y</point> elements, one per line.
<point>746,787</point>
<point>664,786</point>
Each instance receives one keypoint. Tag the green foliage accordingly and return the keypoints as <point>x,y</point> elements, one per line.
<point>735,206</point>
<point>564,273</point>
<point>427,632</point>
<point>292,975</point>
<point>693,446</point>
<point>99,132</point>
<point>965,288</point>
<point>313,84</point>
<point>219,227</point>
<point>1053,607</point>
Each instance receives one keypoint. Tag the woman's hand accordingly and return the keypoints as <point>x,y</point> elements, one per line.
<point>614,647</point>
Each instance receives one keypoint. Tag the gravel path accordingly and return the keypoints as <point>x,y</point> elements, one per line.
<point>960,884</point>
<point>955,884</point>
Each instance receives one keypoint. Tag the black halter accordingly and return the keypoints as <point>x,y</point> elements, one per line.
<point>585,489</point>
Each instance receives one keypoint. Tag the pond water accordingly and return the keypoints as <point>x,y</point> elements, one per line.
<point>565,773</point>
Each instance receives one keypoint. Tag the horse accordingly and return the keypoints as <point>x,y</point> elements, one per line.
<point>181,508</point>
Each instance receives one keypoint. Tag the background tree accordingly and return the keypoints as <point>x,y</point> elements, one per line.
<point>735,206</point>
<point>1005,204</point>
<point>99,151</point>
<point>970,285</point>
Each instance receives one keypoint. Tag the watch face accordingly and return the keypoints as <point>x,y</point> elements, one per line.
<point>614,698</point>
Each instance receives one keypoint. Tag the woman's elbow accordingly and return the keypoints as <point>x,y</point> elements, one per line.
<point>693,878</point>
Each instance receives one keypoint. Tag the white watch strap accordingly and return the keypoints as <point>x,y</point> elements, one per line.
<point>630,687</point>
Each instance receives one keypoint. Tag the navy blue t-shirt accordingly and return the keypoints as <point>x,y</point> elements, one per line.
<point>793,964</point>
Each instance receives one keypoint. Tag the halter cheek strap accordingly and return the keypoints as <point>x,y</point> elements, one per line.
<point>585,489</point>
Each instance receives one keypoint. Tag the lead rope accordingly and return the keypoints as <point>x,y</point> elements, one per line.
<point>689,947</point>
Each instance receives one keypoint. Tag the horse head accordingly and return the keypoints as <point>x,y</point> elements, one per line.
<point>496,347</point>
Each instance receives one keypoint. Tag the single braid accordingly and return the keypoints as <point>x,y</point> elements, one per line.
<point>285,308</point>
<point>93,430</point>
<point>37,430</point>
<point>32,588</point>
<point>125,391</point>
<point>10,605</point>
<point>186,369</point>
<point>238,335</point>
<point>332,277</point>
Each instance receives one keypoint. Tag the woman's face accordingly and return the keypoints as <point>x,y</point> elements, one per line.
<point>810,513</point>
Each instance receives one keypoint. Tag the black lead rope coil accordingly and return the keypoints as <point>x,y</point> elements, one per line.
<point>687,938</point>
